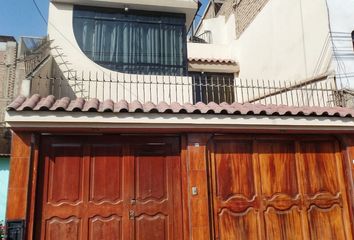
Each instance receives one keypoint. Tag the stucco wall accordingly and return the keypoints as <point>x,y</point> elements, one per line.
<point>71,60</point>
<point>285,43</point>
<point>4,180</point>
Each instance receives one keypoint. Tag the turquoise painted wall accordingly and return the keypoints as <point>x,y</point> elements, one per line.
<point>4,180</point>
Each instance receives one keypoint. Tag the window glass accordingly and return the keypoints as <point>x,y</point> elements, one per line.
<point>353,39</point>
<point>134,41</point>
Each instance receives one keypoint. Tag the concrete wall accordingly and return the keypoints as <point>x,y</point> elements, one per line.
<point>341,25</point>
<point>4,180</point>
<point>188,7</point>
<point>285,43</point>
<point>71,60</point>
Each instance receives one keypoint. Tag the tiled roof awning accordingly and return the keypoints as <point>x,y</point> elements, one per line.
<point>212,60</point>
<point>49,103</point>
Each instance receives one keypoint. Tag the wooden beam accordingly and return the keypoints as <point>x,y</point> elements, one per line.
<point>19,176</point>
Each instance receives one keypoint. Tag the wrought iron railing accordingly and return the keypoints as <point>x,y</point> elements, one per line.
<point>322,91</point>
<point>205,37</point>
<point>33,52</point>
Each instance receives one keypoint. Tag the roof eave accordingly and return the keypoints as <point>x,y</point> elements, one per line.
<point>30,120</point>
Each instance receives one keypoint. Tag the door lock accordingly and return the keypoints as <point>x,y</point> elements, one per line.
<point>131,214</point>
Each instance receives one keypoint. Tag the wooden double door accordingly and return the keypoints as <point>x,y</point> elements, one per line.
<point>269,188</point>
<point>97,187</point>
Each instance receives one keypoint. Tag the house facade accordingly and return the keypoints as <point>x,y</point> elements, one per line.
<point>280,40</point>
<point>163,143</point>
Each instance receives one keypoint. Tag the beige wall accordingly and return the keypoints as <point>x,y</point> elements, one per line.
<point>188,7</point>
<point>288,40</point>
<point>71,60</point>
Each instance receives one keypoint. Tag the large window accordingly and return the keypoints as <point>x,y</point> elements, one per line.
<point>353,38</point>
<point>132,41</point>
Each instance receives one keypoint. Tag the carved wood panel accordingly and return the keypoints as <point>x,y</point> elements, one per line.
<point>109,188</point>
<point>105,228</point>
<point>157,191</point>
<point>287,189</point>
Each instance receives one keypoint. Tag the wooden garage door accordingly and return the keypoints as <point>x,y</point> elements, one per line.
<point>279,189</point>
<point>109,188</point>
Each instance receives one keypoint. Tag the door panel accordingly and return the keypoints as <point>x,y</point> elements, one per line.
<point>277,168</point>
<point>106,178</point>
<point>110,188</point>
<point>63,228</point>
<point>326,223</point>
<point>65,175</point>
<point>233,225</point>
<point>156,185</point>
<point>235,199</point>
<point>287,189</point>
<point>105,228</point>
<point>151,180</point>
<point>152,227</point>
<point>319,168</point>
<point>280,224</point>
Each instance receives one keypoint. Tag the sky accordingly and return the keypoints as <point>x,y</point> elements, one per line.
<point>21,18</point>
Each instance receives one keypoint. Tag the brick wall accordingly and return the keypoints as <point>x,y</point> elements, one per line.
<point>245,12</point>
<point>8,54</point>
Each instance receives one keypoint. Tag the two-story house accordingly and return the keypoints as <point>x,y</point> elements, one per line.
<point>134,137</point>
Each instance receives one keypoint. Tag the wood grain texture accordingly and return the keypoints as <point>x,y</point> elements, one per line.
<point>17,198</point>
<point>298,189</point>
<point>109,188</point>
<point>199,204</point>
<point>347,147</point>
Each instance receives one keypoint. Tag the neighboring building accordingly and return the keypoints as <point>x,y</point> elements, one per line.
<point>279,40</point>
<point>8,53</point>
<point>137,134</point>
<point>17,61</point>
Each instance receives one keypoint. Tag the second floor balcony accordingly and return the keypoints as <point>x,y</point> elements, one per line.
<point>196,87</point>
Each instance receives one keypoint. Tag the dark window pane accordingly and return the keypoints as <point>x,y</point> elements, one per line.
<point>132,42</point>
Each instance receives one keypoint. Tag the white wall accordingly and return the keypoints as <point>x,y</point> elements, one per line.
<point>188,7</point>
<point>288,40</point>
<point>223,46</point>
<point>72,60</point>
<point>342,24</point>
<point>223,30</point>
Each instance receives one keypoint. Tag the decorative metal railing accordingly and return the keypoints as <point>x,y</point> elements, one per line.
<point>321,91</point>
<point>205,37</point>
<point>33,52</point>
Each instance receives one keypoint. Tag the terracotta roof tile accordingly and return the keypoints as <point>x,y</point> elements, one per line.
<point>211,60</point>
<point>121,106</point>
<point>49,103</point>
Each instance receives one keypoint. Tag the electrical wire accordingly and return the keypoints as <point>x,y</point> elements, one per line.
<point>39,11</point>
